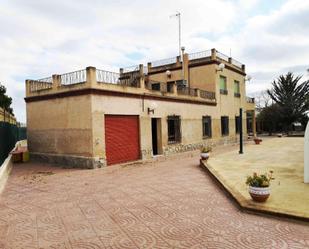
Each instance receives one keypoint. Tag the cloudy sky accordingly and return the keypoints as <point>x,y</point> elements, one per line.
<point>42,37</point>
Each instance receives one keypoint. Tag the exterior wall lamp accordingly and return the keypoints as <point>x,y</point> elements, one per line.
<point>220,67</point>
<point>152,107</point>
<point>168,73</point>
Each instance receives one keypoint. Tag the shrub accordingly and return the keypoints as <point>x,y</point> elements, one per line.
<point>261,181</point>
<point>206,149</point>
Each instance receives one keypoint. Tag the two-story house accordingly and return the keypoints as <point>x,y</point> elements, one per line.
<point>91,118</point>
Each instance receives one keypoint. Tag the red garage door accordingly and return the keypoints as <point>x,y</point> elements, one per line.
<point>121,138</point>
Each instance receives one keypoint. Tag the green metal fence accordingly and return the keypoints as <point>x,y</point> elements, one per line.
<point>9,135</point>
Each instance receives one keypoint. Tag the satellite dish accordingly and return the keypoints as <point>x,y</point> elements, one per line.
<point>168,72</point>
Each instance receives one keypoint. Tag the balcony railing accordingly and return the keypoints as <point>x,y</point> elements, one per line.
<point>92,76</point>
<point>236,63</point>
<point>163,62</point>
<point>131,69</point>
<point>222,56</point>
<point>199,55</point>
<point>187,91</point>
<point>107,77</point>
<point>207,95</point>
<point>250,100</point>
<point>41,84</point>
<point>75,77</point>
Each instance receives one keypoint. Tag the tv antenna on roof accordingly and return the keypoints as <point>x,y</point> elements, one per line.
<point>177,15</point>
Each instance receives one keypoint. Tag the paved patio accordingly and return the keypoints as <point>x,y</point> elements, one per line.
<point>285,156</point>
<point>170,204</point>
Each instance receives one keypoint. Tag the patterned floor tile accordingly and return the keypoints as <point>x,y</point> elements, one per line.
<point>169,204</point>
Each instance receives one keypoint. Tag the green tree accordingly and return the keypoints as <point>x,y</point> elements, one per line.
<point>269,119</point>
<point>5,100</point>
<point>291,97</point>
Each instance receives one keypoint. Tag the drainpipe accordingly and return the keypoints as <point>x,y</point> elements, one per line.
<point>183,65</point>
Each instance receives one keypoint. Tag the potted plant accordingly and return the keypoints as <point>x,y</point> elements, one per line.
<point>205,151</point>
<point>259,188</point>
<point>257,140</point>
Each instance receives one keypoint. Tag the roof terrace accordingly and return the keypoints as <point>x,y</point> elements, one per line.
<point>206,56</point>
<point>127,82</point>
<point>134,80</point>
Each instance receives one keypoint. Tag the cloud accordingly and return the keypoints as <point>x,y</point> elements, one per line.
<point>40,38</point>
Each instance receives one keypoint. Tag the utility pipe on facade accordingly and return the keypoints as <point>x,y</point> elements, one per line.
<point>183,65</point>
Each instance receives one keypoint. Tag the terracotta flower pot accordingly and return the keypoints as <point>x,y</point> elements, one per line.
<point>205,156</point>
<point>259,194</point>
<point>257,140</point>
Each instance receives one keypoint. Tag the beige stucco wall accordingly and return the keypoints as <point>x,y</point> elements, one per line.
<point>229,104</point>
<point>162,77</point>
<point>203,77</point>
<point>191,121</point>
<point>206,77</point>
<point>73,124</point>
<point>60,126</point>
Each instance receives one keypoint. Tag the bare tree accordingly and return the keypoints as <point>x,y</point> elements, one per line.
<point>262,99</point>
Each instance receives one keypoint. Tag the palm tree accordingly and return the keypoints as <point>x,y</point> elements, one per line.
<point>291,97</point>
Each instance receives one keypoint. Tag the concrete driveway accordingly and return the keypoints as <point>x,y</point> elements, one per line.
<point>170,204</point>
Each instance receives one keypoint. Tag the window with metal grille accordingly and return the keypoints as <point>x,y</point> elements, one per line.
<point>237,124</point>
<point>155,86</point>
<point>206,126</point>
<point>173,129</point>
<point>169,86</point>
<point>224,125</point>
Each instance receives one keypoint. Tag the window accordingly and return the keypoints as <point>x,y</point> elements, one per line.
<point>169,86</point>
<point>237,124</point>
<point>206,126</point>
<point>236,89</point>
<point>224,125</point>
<point>155,86</point>
<point>173,129</point>
<point>223,86</point>
<point>181,83</point>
